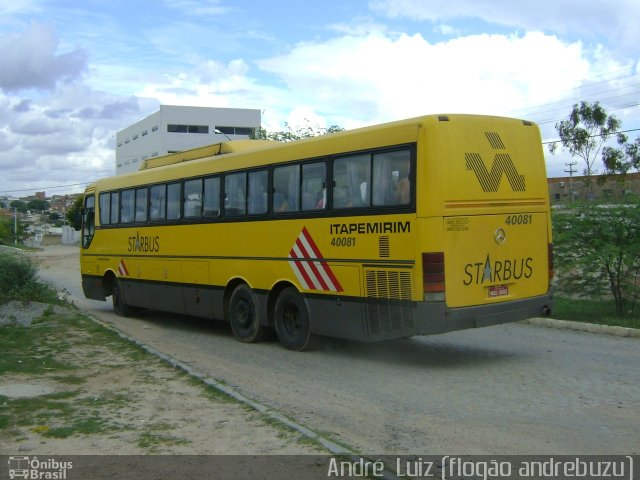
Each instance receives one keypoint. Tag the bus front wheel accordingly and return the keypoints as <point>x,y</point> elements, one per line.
<point>243,315</point>
<point>292,321</point>
<point>120,305</point>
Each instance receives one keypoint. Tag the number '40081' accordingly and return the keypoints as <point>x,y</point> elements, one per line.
<point>343,242</point>
<point>519,219</point>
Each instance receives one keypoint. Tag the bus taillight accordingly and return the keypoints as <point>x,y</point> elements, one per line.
<point>433,275</point>
<point>550,257</point>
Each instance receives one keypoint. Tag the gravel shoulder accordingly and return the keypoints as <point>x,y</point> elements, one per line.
<point>71,387</point>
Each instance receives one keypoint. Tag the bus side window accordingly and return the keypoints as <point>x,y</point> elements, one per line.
<point>174,201</point>
<point>352,181</point>
<point>157,202</point>
<point>105,208</point>
<point>314,182</point>
<point>88,220</point>
<point>212,197</point>
<point>391,185</point>
<point>257,201</point>
<point>115,207</point>
<point>235,198</point>
<point>127,205</point>
<point>193,198</point>
<point>286,189</point>
<point>141,205</point>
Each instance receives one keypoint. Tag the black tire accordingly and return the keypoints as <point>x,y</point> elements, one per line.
<point>120,305</point>
<point>243,315</point>
<point>292,321</point>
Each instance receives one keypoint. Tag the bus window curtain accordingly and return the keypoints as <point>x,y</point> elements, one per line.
<point>353,183</point>
<point>294,189</point>
<point>257,192</point>
<point>235,194</point>
<point>382,182</point>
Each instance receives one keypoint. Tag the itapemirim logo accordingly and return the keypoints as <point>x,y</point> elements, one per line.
<point>502,165</point>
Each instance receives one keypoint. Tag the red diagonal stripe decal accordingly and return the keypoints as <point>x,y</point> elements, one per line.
<point>309,266</point>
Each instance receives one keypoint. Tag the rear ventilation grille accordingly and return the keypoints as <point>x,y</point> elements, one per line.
<point>383,247</point>
<point>388,284</point>
<point>390,312</point>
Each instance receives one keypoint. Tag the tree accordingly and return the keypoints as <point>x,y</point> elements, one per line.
<point>38,205</point>
<point>585,132</point>
<point>7,232</point>
<point>19,205</point>
<point>598,252</point>
<point>74,213</point>
<point>621,160</point>
<point>291,134</point>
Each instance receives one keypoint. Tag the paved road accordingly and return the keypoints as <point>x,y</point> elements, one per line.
<point>511,389</point>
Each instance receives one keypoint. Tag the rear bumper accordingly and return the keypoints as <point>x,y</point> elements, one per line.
<point>436,317</point>
<point>377,320</point>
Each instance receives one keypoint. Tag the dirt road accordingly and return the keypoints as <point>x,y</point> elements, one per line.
<point>512,389</point>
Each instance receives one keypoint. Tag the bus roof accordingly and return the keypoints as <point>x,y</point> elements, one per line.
<point>242,154</point>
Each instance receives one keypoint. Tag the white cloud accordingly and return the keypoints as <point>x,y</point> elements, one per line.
<point>29,60</point>
<point>615,21</point>
<point>62,138</point>
<point>379,78</point>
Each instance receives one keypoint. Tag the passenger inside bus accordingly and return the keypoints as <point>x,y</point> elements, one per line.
<point>280,202</point>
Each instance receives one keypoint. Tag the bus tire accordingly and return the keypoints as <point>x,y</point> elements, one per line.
<point>243,315</point>
<point>292,321</point>
<point>120,305</point>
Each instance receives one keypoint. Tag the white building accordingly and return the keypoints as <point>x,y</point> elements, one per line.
<point>174,129</point>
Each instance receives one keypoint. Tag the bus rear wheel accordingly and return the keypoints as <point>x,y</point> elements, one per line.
<point>292,321</point>
<point>120,305</point>
<point>243,315</point>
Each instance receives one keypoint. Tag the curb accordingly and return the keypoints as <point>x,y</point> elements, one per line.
<point>584,327</point>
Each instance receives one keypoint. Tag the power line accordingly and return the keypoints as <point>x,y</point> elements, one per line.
<point>597,135</point>
<point>46,188</point>
<point>618,107</point>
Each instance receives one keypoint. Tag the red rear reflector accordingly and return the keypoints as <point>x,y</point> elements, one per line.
<point>433,271</point>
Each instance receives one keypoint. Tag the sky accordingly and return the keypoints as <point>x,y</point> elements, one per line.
<point>72,74</point>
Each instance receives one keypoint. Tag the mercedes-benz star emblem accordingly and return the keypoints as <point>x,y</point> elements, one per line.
<point>500,236</point>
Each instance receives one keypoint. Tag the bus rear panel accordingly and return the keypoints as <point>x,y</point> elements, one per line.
<point>486,241</point>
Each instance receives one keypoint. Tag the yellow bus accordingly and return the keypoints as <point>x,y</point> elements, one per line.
<point>415,227</point>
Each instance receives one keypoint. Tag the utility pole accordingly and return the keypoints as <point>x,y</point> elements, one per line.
<point>571,171</point>
<point>15,225</point>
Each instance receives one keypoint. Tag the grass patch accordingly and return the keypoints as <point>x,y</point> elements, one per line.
<point>5,421</point>
<point>151,441</point>
<point>601,312</point>
<point>70,379</point>
<point>32,350</point>
<point>83,426</point>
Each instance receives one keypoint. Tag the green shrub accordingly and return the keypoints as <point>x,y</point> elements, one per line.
<point>18,280</point>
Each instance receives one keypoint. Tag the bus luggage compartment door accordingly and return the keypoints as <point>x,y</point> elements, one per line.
<point>495,258</point>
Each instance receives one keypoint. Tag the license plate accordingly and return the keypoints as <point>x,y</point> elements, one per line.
<point>498,291</point>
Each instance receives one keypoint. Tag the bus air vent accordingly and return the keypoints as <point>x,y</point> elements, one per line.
<point>390,311</point>
<point>383,246</point>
